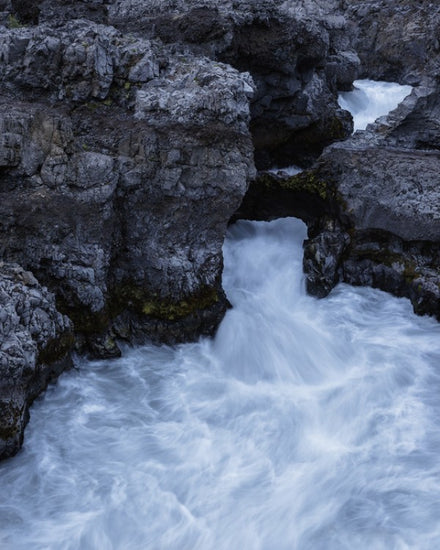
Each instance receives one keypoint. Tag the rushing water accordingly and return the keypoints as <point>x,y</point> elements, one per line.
<point>370,100</point>
<point>304,424</point>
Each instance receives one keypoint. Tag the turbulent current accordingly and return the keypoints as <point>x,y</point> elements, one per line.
<point>304,424</point>
<point>370,100</point>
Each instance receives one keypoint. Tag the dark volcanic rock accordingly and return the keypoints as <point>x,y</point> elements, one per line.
<point>387,183</point>
<point>119,178</point>
<point>397,40</point>
<point>35,340</point>
<point>372,206</point>
<point>298,54</point>
<point>121,164</point>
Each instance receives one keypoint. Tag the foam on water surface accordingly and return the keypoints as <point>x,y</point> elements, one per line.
<point>370,100</point>
<point>303,424</point>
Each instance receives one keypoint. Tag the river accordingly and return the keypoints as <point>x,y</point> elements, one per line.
<point>304,424</point>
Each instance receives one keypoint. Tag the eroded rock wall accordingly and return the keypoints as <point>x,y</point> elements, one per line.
<point>396,41</point>
<point>121,164</point>
<point>34,348</point>
<point>298,54</point>
<point>121,175</point>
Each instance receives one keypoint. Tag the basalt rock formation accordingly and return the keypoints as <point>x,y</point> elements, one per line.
<point>121,164</point>
<point>129,133</point>
<point>127,137</point>
<point>386,215</point>
<point>34,348</point>
<point>120,177</point>
<point>372,202</point>
<point>298,53</point>
<point>372,206</point>
<point>396,41</point>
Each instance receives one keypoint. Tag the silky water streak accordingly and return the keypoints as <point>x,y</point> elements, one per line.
<point>370,100</point>
<point>304,424</point>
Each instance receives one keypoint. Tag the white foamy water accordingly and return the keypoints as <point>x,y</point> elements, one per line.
<point>288,170</point>
<point>370,100</point>
<point>305,424</point>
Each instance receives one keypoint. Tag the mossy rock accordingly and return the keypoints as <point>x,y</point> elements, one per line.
<point>141,301</point>
<point>304,182</point>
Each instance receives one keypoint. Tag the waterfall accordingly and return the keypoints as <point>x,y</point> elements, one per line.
<point>370,100</point>
<point>304,424</point>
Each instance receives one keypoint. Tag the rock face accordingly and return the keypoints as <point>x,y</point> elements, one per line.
<point>396,41</point>
<point>118,184</point>
<point>121,164</point>
<point>386,180</point>
<point>372,204</point>
<point>34,345</point>
<point>298,54</point>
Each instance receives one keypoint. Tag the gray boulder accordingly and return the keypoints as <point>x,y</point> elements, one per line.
<point>35,340</point>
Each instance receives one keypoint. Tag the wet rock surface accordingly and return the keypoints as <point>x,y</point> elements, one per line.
<point>387,182</point>
<point>372,204</point>
<point>121,164</point>
<point>117,189</point>
<point>396,41</point>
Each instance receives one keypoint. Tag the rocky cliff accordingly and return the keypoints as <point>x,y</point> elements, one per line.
<point>298,53</point>
<point>130,131</point>
<point>396,41</point>
<point>386,207</point>
<point>128,136</point>
<point>121,168</point>
<point>121,164</point>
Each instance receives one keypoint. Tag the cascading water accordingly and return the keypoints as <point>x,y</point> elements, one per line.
<point>304,424</point>
<point>370,100</point>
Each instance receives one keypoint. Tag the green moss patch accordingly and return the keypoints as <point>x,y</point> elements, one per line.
<point>14,23</point>
<point>143,302</point>
<point>304,182</point>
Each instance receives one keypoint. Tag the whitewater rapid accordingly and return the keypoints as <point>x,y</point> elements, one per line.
<point>304,424</point>
<point>371,99</point>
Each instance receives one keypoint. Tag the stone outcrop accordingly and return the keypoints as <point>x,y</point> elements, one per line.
<point>118,184</point>
<point>34,345</point>
<point>121,164</point>
<point>298,54</point>
<point>386,184</point>
<point>396,41</point>
<point>372,205</point>
<point>372,202</point>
